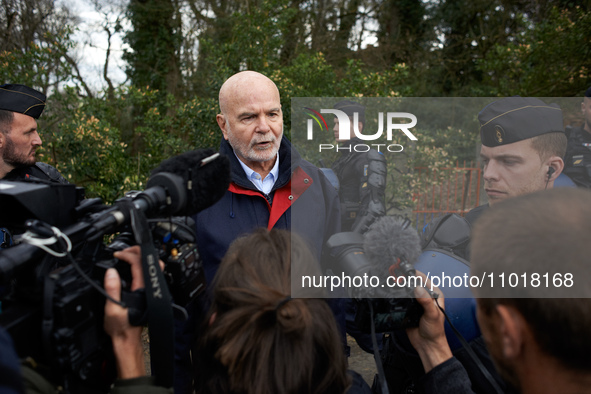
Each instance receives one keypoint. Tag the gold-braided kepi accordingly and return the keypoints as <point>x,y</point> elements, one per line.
<point>514,119</point>
<point>22,99</point>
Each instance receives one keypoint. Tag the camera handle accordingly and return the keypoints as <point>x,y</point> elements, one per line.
<point>158,299</point>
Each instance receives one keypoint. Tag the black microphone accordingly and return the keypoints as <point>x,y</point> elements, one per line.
<point>182,185</point>
<point>390,239</point>
<point>205,173</point>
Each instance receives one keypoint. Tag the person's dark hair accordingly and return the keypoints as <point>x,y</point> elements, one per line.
<point>258,339</point>
<point>550,144</point>
<point>6,119</point>
<point>546,231</point>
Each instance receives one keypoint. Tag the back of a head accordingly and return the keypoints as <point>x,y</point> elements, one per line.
<point>527,237</point>
<point>261,340</point>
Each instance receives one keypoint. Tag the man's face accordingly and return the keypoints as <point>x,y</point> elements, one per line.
<point>586,108</point>
<point>511,170</point>
<point>20,142</point>
<point>254,124</point>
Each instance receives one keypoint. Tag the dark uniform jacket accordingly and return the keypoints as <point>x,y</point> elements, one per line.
<point>37,171</point>
<point>577,161</point>
<point>351,170</point>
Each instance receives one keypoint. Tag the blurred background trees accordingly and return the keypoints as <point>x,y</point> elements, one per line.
<point>177,53</point>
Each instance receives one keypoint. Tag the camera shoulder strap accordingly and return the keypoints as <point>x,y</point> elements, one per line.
<point>159,303</point>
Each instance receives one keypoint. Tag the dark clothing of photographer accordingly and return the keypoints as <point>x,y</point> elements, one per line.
<point>448,377</point>
<point>405,373</point>
<point>577,161</point>
<point>10,376</point>
<point>36,384</point>
<point>17,378</point>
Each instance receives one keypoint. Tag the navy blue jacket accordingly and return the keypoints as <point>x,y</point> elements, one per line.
<point>302,200</point>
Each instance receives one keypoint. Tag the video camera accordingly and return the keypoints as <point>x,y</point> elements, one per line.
<point>51,283</point>
<point>387,248</point>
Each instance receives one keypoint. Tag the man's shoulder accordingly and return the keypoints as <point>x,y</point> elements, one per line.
<point>475,213</point>
<point>320,181</point>
<point>577,135</point>
<point>38,170</point>
<point>308,167</point>
<point>50,172</point>
<point>316,173</point>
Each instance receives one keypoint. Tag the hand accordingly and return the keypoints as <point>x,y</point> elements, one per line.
<point>429,337</point>
<point>127,344</point>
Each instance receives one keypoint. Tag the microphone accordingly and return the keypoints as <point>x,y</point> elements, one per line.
<point>205,173</point>
<point>389,247</point>
<point>390,241</point>
<point>182,185</point>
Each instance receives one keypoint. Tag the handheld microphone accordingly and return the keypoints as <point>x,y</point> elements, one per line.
<point>390,241</point>
<point>391,247</point>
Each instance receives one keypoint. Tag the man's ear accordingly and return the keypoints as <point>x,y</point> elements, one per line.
<point>221,119</point>
<point>557,164</point>
<point>512,330</point>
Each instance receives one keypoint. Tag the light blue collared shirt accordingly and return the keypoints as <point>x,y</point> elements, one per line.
<point>264,185</point>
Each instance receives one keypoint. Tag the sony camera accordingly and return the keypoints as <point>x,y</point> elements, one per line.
<point>51,277</point>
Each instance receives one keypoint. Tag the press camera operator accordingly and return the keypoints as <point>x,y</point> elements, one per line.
<point>126,340</point>
<point>540,345</point>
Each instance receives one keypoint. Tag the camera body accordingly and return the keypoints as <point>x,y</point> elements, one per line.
<point>49,305</point>
<point>391,309</point>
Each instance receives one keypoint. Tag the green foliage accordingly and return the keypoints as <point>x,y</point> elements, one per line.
<point>155,43</point>
<point>40,63</point>
<point>110,147</point>
<point>551,59</point>
<point>196,120</point>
